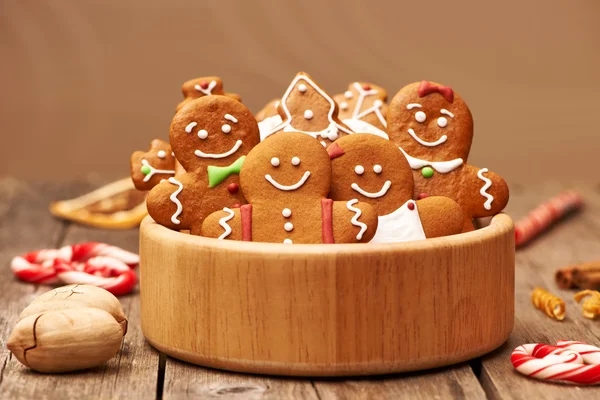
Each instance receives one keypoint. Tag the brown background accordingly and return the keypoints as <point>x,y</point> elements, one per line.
<point>83,83</point>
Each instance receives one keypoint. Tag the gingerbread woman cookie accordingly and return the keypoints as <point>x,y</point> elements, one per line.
<point>363,108</point>
<point>210,137</point>
<point>203,86</point>
<point>307,108</point>
<point>373,170</point>
<point>286,179</point>
<point>151,167</point>
<point>433,127</point>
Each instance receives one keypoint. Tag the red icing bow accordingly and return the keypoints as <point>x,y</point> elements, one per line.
<point>426,88</point>
<point>335,151</point>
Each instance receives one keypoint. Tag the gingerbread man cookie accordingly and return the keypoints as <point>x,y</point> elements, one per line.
<point>373,170</point>
<point>363,108</point>
<point>210,137</point>
<point>286,179</point>
<point>307,108</point>
<point>151,167</point>
<point>203,86</point>
<point>433,127</point>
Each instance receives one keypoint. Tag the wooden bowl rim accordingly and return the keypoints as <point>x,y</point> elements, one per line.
<point>500,226</point>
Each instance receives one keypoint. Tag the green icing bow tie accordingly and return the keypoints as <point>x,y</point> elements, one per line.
<point>217,175</point>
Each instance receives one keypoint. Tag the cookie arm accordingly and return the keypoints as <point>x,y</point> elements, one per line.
<point>149,168</point>
<point>440,216</point>
<point>353,222</point>
<point>485,192</point>
<point>223,224</point>
<point>165,205</point>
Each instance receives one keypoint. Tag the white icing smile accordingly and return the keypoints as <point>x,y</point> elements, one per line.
<point>423,142</point>
<point>290,187</point>
<point>382,192</point>
<point>235,148</point>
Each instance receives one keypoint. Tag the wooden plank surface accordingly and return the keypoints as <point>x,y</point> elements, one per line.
<point>574,240</point>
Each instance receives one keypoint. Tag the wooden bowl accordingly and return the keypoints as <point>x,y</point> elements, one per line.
<point>327,310</point>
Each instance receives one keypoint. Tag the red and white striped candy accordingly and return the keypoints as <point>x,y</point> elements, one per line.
<point>554,363</point>
<point>92,263</point>
<point>590,354</point>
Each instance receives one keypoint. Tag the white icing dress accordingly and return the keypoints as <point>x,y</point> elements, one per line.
<point>402,225</point>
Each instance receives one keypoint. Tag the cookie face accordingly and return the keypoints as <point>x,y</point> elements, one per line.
<point>363,101</point>
<point>288,164</point>
<point>431,122</point>
<point>212,130</point>
<point>372,170</point>
<point>307,108</point>
<point>151,167</point>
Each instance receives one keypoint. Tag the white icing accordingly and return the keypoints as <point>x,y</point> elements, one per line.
<point>287,241</point>
<point>286,212</point>
<point>231,118</point>
<point>295,161</point>
<point>420,116</point>
<point>275,162</point>
<point>226,128</point>
<point>343,105</point>
<point>323,143</point>
<point>442,122</point>
<point>402,225</point>
<point>308,114</point>
<point>202,134</point>
<point>287,126</point>
<point>155,171</point>
<point>423,142</point>
<point>376,108</point>
<point>442,167</point>
<point>288,226</point>
<point>290,187</point>
<point>161,154</point>
<point>208,90</point>
<point>448,113</point>
<point>190,126</point>
<point>413,105</point>
<point>486,186</point>
<point>223,222</point>
<point>360,126</point>
<point>386,186</point>
<point>302,88</point>
<point>266,126</point>
<point>359,169</point>
<point>235,148</point>
<point>175,200</point>
<point>354,220</point>
<point>377,168</point>
<point>348,94</point>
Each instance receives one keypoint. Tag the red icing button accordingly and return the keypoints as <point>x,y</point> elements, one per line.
<point>233,188</point>
<point>204,85</point>
<point>411,206</point>
<point>366,87</point>
<point>236,205</point>
<point>422,196</point>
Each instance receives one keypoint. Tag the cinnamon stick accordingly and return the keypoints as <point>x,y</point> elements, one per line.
<point>564,277</point>
<point>586,279</point>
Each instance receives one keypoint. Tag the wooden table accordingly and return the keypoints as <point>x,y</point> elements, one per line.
<point>139,371</point>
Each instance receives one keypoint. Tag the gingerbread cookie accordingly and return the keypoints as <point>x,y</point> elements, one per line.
<point>363,108</point>
<point>373,170</point>
<point>151,167</point>
<point>269,110</point>
<point>210,137</point>
<point>203,86</point>
<point>286,179</point>
<point>307,108</point>
<point>433,127</point>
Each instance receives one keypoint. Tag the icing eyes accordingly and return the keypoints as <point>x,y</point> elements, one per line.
<point>377,168</point>
<point>420,116</point>
<point>295,161</point>
<point>348,94</point>
<point>161,154</point>
<point>275,162</point>
<point>359,169</point>
<point>226,128</point>
<point>343,105</point>
<point>202,134</point>
<point>308,114</point>
<point>442,122</point>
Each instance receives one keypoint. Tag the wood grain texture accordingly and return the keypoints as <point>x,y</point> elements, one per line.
<point>327,310</point>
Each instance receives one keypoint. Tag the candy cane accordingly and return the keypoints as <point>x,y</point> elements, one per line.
<point>545,215</point>
<point>590,354</point>
<point>557,363</point>
<point>91,263</point>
